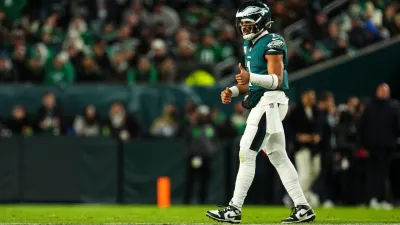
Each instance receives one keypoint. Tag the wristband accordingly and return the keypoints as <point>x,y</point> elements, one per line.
<point>235,91</point>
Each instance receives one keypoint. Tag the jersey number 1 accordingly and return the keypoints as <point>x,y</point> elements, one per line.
<point>248,70</point>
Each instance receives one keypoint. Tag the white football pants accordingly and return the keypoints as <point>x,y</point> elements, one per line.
<point>264,131</point>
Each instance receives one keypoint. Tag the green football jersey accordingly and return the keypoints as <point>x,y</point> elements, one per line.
<point>269,44</point>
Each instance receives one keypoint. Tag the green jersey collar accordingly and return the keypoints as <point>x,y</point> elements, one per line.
<point>259,36</point>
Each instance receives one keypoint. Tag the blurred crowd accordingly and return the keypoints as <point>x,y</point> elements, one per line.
<point>339,33</point>
<point>155,41</point>
<point>345,154</point>
<point>49,119</point>
<point>355,142</point>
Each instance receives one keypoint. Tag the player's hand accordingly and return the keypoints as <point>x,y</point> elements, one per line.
<point>243,77</point>
<point>226,96</point>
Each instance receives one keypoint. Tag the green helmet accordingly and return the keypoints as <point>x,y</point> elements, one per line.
<point>254,12</point>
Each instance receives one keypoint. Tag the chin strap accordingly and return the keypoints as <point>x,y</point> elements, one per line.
<point>269,24</point>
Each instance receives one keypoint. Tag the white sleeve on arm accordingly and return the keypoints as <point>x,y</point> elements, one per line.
<point>269,81</point>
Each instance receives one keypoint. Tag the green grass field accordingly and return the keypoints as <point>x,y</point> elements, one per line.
<point>92,214</point>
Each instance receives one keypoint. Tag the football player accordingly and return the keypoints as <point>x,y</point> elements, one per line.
<point>264,80</point>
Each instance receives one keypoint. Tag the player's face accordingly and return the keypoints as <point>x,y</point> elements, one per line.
<point>247,27</point>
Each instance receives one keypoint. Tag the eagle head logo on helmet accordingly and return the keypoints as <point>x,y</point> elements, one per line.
<point>252,18</point>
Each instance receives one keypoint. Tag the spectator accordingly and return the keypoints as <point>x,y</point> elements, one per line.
<point>134,23</point>
<point>125,44</point>
<point>5,27</point>
<point>77,27</point>
<point>209,51</point>
<point>145,72</point>
<point>159,31</point>
<point>88,124</point>
<point>91,71</point>
<point>158,53</point>
<point>13,9</point>
<point>357,34</point>
<point>334,36</point>
<point>389,19</point>
<point>19,124</point>
<point>200,139</point>
<point>319,26</point>
<point>341,48</point>
<point>37,60</point>
<point>101,58</point>
<point>239,118</point>
<point>348,147</point>
<point>120,124</point>
<point>189,118</point>
<point>373,14</point>
<point>7,71</point>
<point>167,71</point>
<point>109,32</point>
<point>19,52</point>
<point>50,33</point>
<point>396,29</point>
<point>76,55</point>
<point>327,145</point>
<point>379,130</point>
<point>167,16</point>
<point>136,8</point>
<point>121,72</point>
<point>222,124</point>
<point>229,45</point>
<point>303,121</point>
<point>165,125</point>
<point>282,15</point>
<point>347,130</point>
<point>186,60</point>
<point>49,117</point>
<point>354,12</point>
<point>60,71</point>
<point>129,30</point>
<point>307,55</point>
<point>182,36</point>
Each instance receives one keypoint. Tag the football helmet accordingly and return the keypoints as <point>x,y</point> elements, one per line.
<point>252,18</point>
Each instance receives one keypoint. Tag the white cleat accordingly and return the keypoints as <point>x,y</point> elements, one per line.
<point>229,214</point>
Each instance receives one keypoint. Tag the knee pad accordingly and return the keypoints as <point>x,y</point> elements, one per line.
<point>277,158</point>
<point>247,156</point>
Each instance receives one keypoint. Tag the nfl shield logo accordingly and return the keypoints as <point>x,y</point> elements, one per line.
<point>271,105</point>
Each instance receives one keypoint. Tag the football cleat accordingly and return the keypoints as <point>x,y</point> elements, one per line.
<point>300,214</point>
<point>229,214</point>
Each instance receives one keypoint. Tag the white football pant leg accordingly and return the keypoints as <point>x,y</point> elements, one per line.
<point>247,157</point>
<point>275,147</point>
